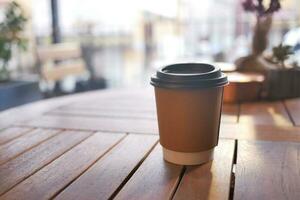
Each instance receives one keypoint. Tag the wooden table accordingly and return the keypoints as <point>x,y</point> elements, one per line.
<point>104,145</point>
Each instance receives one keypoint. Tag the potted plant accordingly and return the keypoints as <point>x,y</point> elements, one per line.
<point>13,92</point>
<point>11,29</point>
<point>255,62</point>
<point>281,81</point>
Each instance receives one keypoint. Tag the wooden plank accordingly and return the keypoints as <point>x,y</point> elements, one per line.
<point>104,112</point>
<point>293,107</point>
<point>267,170</point>
<point>230,113</point>
<point>32,110</point>
<point>23,143</point>
<point>95,124</point>
<point>155,179</point>
<point>29,111</point>
<point>54,177</point>
<point>264,113</point>
<point>260,132</point>
<point>16,170</point>
<point>61,51</point>
<point>211,180</point>
<point>9,134</point>
<point>128,100</point>
<point>113,105</point>
<point>60,71</point>
<point>103,178</point>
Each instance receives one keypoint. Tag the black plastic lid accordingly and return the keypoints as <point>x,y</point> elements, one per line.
<point>189,75</point>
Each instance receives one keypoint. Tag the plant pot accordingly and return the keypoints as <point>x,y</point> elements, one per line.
<point>282,84</point>
<point>15,93</point>
<point>243,87</point>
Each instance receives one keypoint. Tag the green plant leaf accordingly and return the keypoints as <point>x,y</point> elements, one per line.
<point>10,31</point>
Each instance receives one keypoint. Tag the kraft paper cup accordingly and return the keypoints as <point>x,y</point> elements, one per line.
<point>189,102</point>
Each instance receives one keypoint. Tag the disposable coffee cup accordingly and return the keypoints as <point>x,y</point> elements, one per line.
<point>189,102</point>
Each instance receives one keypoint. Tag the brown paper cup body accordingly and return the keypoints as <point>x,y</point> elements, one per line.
<point>189,119</point>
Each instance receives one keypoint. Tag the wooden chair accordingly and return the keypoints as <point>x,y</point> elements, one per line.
<point>60,61</point>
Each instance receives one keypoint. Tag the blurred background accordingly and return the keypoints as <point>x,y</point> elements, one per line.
<point>109,44</point>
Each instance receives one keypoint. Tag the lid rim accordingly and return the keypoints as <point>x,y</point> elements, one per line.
<point>166,75</point>
<point>172,86</point>
<point>208,77</point>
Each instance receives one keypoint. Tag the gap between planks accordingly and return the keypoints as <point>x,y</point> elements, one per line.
<point>47,163</point>
<point>232,176</point>
<point>132,172</point>
<point>183,170</point>
<point>46,171</point>
<point>12,134</point>
<point>109,149</point>
<point>54,133</point>
<point>289,113</point>
<point>176,185</point>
